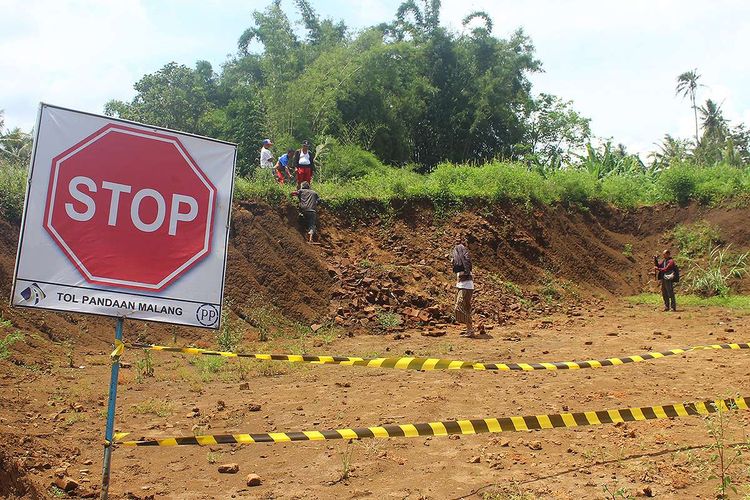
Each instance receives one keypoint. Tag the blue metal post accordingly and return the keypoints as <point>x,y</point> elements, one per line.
<point>110,429</point>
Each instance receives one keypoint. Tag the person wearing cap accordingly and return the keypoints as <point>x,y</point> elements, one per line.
<point>266,157</point>
<point>304,162</point>
<point>281,169</point>
<point>308,203</point>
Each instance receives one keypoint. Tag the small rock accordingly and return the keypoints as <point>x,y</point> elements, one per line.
<point>315,327</point>
<point>253,480</point>
<point>475,460</point>
<point>729,330</point>
<point>647,491</point>
<point>253,407</point>
<point>244,386</point>
<point>66,484</point>
<point>229,468</point>
<point>220,405</point>
<point>535,445</point>
<point>436,333</point>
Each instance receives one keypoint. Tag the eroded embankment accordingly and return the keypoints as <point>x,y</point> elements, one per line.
<point>372,260</point>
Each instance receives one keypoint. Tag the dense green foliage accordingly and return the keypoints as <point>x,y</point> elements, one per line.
<point>514,182</point>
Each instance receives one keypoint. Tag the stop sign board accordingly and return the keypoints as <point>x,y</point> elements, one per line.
<point>126,220</point>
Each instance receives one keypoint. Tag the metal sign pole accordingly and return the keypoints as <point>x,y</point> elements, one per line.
<point>109,431</point>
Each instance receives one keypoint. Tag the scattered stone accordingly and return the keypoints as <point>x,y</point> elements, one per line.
<point>244,386</point>
<point>647,491</point>
<point>253,407</point>
<point>534,445</point>
<point>220,405</point>
<point>433,333</point>
<point>253,480</point>
<point>229,469</point>
<point>66,484</point>
<point>475,460</point>
<point>315,327</point>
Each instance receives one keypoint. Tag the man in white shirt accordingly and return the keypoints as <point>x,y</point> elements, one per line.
<point>266,157</point>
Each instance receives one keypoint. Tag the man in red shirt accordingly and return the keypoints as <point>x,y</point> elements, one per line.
<point>666,273</point>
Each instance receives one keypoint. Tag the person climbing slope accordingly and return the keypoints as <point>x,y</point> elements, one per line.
<point>308,204</point>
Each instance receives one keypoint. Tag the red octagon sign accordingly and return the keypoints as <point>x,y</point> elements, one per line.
<point>130,208</point>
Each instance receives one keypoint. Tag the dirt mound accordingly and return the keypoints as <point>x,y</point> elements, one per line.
<point>13,480</point>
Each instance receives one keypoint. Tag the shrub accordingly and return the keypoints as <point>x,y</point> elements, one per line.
<point>346,162</point>
<point>696,240</point>
<point>627,191</point>
<point>12,191</point>
<point>574,186</point>
<point>714,277</point>
<point>678,183</point>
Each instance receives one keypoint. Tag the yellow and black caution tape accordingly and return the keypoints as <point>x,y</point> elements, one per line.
<point>119,349</point>
<point>413,363</point>
<point>476,426</point>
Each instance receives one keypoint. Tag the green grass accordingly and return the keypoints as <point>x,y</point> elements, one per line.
<point>8,341</point>
<point>156,407</point>
<point>449,186</point>
<point>731,302</point>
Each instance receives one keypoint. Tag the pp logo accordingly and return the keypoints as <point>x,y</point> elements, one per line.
<point>34,293</point>
<point>207,315</point>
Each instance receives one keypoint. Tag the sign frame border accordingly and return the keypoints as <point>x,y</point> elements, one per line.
<point>227,227</point>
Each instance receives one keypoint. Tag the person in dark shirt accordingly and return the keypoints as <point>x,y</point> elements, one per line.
<point>308,203</point>
<point>665,273</point>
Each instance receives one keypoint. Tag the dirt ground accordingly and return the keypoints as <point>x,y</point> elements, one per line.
<point>53,387</point>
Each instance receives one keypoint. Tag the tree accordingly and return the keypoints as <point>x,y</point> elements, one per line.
<point>174,97</point>
<point>671,150</point>
<point>687,84</point>
<point>554,131</point>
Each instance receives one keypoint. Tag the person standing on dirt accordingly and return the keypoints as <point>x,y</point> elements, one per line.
<point>304,162</point>
<point>464,283</point>
<point>308,203</point>
<point>281,169</point>
<point>266,156</point>
<point>666,272</point>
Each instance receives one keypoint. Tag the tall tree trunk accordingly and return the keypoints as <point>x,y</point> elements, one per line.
<point>695,114</point>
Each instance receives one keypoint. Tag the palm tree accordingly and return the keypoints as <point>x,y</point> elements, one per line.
<point>713,121</point>
<point>687,84</point>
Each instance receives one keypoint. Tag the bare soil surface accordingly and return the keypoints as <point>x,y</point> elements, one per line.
<point>550,287</point>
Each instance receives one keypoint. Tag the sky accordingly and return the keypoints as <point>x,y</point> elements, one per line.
<point>617,60</point>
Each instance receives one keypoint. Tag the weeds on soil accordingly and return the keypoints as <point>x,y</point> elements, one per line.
<point>714,276</point>
<point>389,320</point>
<point>346,455</point>
<point>144,367</point>
<point>725,456</point>
<point>230,335</point>
<point>153,407</point>
<point>8,341</point>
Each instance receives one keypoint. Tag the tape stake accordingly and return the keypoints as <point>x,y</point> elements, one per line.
<point>429,364</point>
<point>465,427</point>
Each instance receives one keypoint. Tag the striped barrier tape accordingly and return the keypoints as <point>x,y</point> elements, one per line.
<point>413,363</point>
<point>465,427</point>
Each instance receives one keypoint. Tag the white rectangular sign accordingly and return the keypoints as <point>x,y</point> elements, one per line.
<point>124,219</point>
